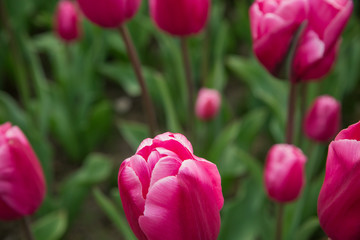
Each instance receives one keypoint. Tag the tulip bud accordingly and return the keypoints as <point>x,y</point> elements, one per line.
<point>323,119</point>
<point>275,22</point>
<point>339,199</point>
<point>67,21</point>
<point>110,13</point>
<point>181,17</point>
<point>22,184</point>
<point>169,193</point>
<point>207,104</point>
<point>284,172</point>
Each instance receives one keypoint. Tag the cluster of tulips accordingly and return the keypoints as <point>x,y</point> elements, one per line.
<point>167,192</point>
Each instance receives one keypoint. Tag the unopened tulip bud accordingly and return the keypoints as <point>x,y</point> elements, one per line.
<point>207,104</point>
<point>169,193</point>
<point>323,119</point>
<point>22,184</point>
<point>339,200</point>
<point>181,17</point>
<point>67,23</point>
<point>284,172</point>
<point>109,13</point>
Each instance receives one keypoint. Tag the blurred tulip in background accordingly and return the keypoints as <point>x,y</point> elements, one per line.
<point>67,21</point>
<point>22,184</point>
<point>207,104</point>
<point>322,121</point>
<point>284,174</point>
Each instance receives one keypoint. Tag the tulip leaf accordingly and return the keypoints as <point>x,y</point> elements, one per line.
<point>134,133</point>
<point>51,226</point>
<point>307,229</point>
<point>113,214</point>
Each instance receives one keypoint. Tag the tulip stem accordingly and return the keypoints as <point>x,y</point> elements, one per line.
<point>279,221</point>
<point>26,227</point>
<point>189,82</point>
<point>19,69</point>
<point>303,107</point>
<point>148,105</point>
<point>291,114</point>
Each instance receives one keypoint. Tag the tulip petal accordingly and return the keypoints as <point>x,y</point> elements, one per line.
<point>352,132</point>
<point>163,211</point>
<point>132,199</point>
<point>167,166</point>
<point>339,201</point>
<point>139,165</point>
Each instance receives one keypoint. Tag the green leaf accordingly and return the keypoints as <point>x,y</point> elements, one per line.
<point>307,229</point>
<point>113,214</point>
<point>51,226</point>
<point>134,133</point>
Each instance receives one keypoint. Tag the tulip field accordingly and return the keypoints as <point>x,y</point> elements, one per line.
<point>180,120</point>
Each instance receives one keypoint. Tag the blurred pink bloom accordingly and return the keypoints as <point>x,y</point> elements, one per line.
<point>284,172</point>
<point>207,104</point>
<point>180,17</point>
<point>22,184</point>
<point>275,22</point>
<point>339,199</point>
<point>169,193</point>
<point>67,23</point>
<point>321,40</point>
<point>109,13</point>
<point>322,121</point>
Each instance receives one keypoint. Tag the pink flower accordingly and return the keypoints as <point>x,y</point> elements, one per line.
<point>67,21</point>
<point>109,13</point>
<point>320,42</point>
<point>339,199</point>
<point>180,17</point>
<point>275,22</point>
<point>169,193</point>
<point>22,184</point>
<point>323,119</point>
<point>207,104</point>
<point>284,172</point>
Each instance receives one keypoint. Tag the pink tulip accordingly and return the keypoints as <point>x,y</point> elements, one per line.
<point>339,199</point>
<point>180,17</point>
<point>22,184</point>
<point>320,42</point>
<point>169,193</point>
<point>322,121</point>
<point>67,21</point>
<point>207,104</point>
<point>284,172</point>
<point>275,22</point>
<point>109,13</point>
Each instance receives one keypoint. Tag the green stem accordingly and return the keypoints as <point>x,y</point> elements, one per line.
<point>26,228</point>
<point>20,71</point>
<point>279,221</point>
<point>291,114</point>
<point>189,82</point>
<point>148,105</point>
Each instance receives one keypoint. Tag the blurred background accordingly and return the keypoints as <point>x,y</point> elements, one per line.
<point>80,106</point>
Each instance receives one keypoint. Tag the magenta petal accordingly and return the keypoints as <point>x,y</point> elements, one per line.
<point>132,199</point>
<point>167,166</point>
<point>139,165</point>
<point>339,199</point>
<point>164,207</point>
<point>352,132</point>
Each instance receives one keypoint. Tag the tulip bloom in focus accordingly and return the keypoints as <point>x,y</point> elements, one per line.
<point>323,119</point>
<point>110,13</point>
<point>284,172</point>
<point>22,184</point>
<point>275,22</point>
<point>339,199</point>
<point>67,21</point>
<point>180,17</point>
<point>207,104</point>
<point>169,193</point>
